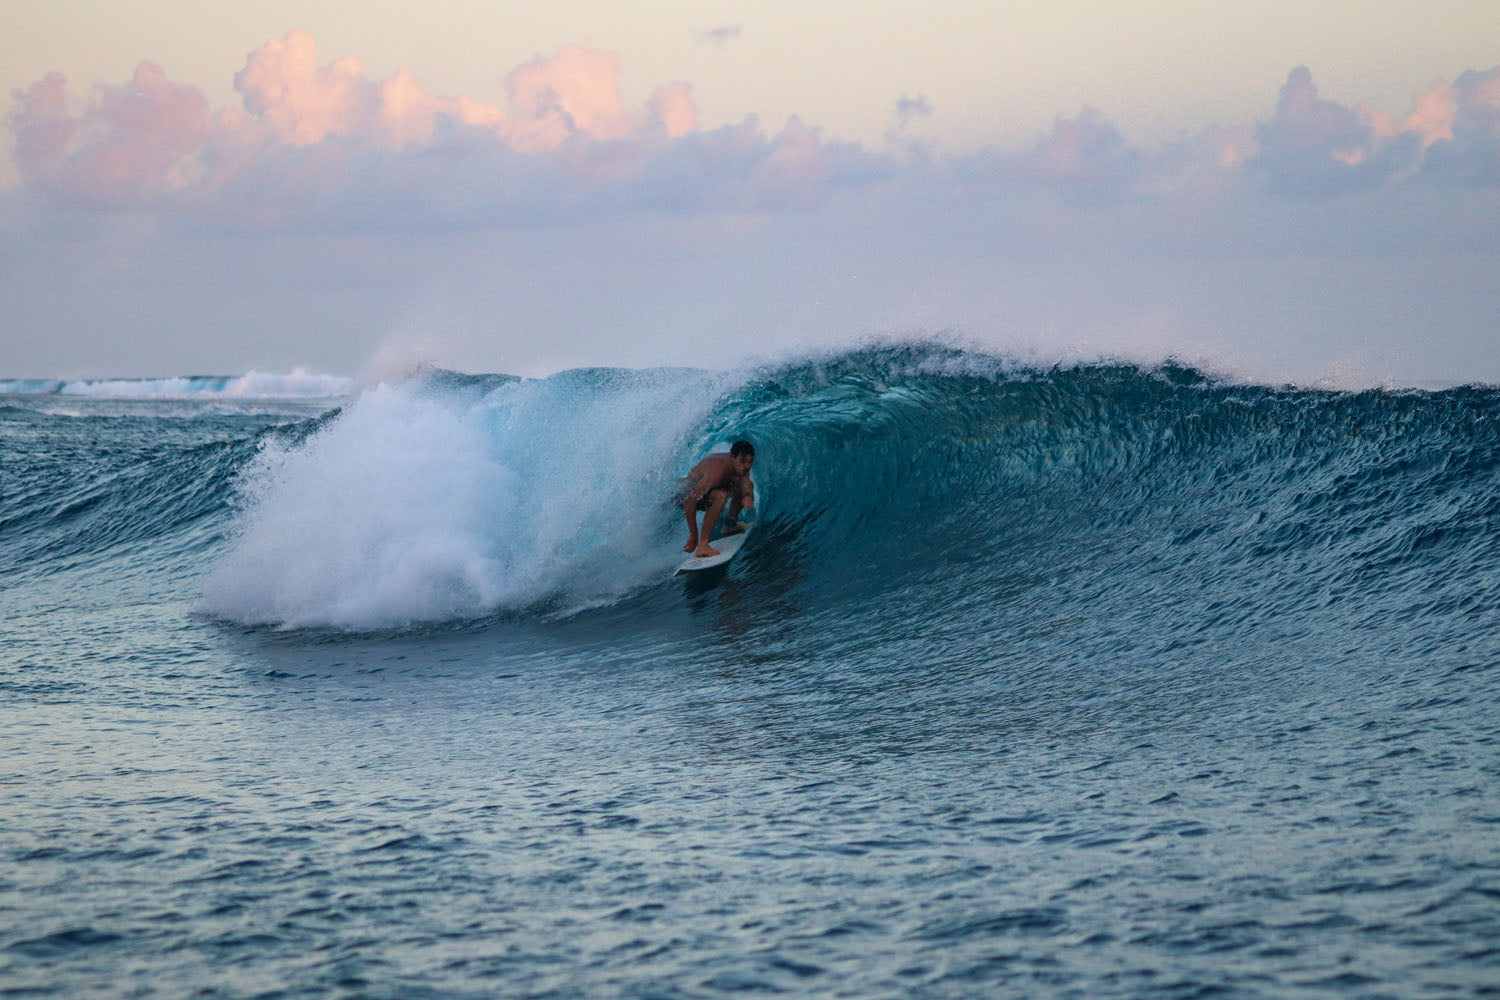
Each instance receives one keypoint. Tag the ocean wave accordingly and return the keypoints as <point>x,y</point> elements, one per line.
<point>950,482</point>
<point>878,469</point>
<point>296,384</point>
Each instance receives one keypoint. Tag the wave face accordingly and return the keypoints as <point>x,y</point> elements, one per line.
<point>1126,486</point>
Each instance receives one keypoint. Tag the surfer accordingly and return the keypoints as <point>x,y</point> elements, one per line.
<point>723,477</point>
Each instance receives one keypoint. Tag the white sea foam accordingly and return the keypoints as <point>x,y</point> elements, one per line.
<point>29,386</point>
<point>299,383</point>
<point>415,506</point>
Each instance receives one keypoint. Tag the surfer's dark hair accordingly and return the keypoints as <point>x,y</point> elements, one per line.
<point>742,448</point>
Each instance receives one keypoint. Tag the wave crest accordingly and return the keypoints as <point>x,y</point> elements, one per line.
<point>878,471</point>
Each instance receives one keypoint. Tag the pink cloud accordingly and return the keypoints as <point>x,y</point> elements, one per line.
<point>149,139</point>
<point>1315,148</point>
<point>283,86</point>
<point>577,90</point>
<point>323,140</point>
<point>672,107</point>
<point>41,123</point>
<point>131,139</point>
<point>1431,115</point>
<point>1471,154</point>
<point>325,143</point>
<point>301,103</point>
<point>132,143</point>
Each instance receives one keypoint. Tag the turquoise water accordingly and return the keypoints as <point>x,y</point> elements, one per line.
<point>1080,682</point>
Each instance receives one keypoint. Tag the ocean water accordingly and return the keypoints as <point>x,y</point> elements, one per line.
<point>1097,681</point>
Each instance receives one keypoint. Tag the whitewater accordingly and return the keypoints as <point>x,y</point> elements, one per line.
<point>1097,680</point>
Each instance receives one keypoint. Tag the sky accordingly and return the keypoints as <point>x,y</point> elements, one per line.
<point>1285,192</point>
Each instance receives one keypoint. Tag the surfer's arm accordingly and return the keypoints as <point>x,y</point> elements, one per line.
<point>744,496</point>
<point>698,492</point>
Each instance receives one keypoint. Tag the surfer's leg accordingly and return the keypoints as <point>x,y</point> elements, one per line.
<point>691,510</point>
<point>716,500</point>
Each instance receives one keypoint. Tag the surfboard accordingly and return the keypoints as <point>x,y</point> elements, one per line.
<point>728,546</point>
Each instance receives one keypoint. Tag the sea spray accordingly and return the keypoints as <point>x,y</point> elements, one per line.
<point>426,502</point>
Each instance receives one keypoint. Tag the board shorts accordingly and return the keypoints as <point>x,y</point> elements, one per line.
<point>685,488</point>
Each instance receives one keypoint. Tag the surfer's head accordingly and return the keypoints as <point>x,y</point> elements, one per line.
<point>743,453</point>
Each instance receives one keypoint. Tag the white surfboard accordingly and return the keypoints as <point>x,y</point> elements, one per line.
<point>728,546</point>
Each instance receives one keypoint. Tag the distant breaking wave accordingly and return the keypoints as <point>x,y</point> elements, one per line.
<point>297,384</point>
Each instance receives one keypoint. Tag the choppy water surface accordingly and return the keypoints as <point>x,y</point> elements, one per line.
<point>1095,682</point>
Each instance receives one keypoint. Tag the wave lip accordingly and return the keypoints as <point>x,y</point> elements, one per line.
<point>299,383</point>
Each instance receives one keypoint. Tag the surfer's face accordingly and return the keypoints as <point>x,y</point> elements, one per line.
<point>742,464</point>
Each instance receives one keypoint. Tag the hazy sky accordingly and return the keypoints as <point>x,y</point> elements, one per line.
<point>1306,191</point>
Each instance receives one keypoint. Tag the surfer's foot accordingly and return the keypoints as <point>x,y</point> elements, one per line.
<point>691,545</point>
<point>704,551</point>
<point>734,529</point>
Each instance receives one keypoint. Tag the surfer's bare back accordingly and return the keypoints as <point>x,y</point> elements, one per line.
<point>723,477</point>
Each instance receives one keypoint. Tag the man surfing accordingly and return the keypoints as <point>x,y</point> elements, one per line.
<point>723,477</point>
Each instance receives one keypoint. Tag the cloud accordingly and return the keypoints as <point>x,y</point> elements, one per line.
<point>1084,158</point>
<point>1470,155</point>
<point>1307,149</point>
<point>672,108</point>
<point>576,91</point>
<point>1083,164</point>
<point>322,145</point>
<point>301,102</point>
<point>909,108</point>
<point>131,145</point>
<point>721,36</point>
<point>1431,117</point>
<point>1315,148</point>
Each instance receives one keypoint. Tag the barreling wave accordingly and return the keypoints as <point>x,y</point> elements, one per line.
<point>992,498</point>
<point>892,473</point>
<point>950,489</point>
